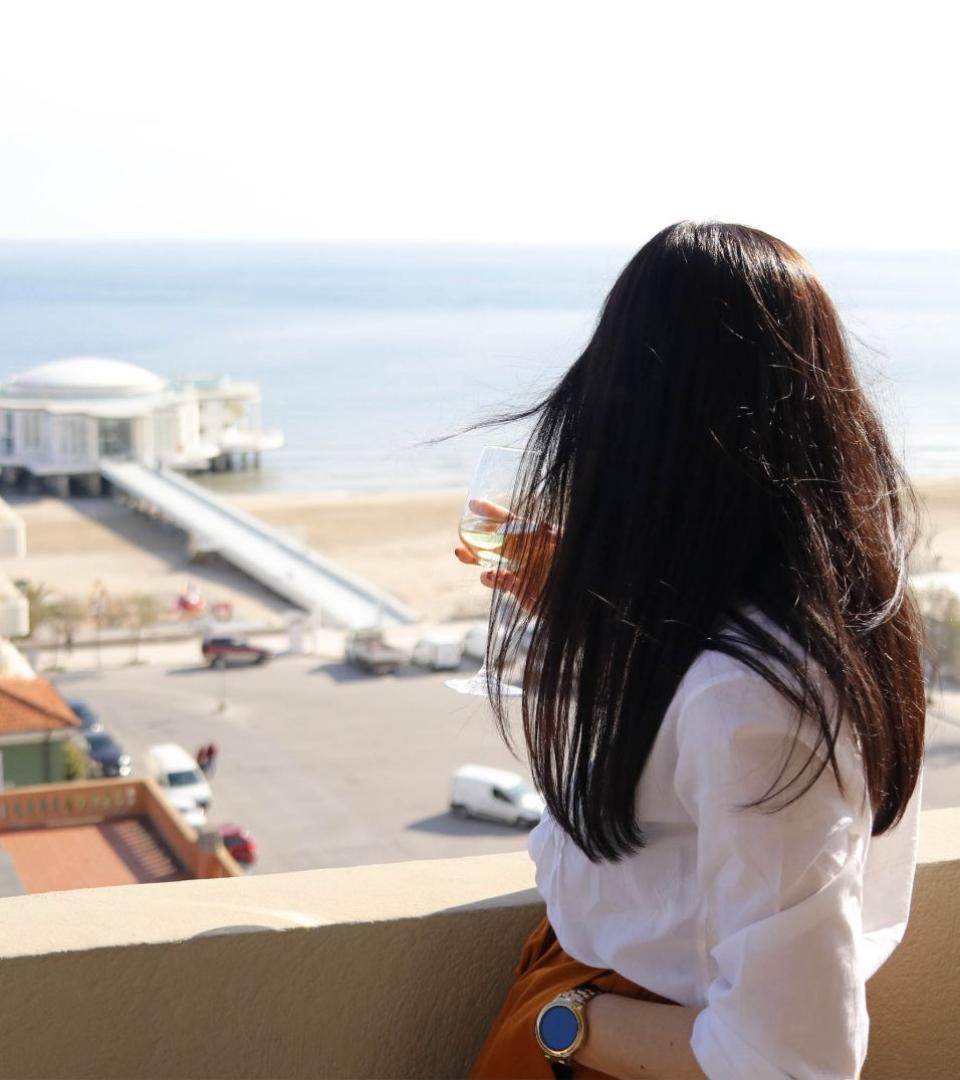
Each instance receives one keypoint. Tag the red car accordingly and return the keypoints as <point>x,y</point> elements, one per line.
<point>221,651</point>
<point>239,843</point>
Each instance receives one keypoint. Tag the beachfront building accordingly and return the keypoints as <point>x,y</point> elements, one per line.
<point>35,721</point>
<point>35,726</point>
<point>60,420</point>
<point>14,609</point>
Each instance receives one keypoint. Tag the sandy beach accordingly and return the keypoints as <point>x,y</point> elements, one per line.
<point>940,543</point>
<point>401,542</point>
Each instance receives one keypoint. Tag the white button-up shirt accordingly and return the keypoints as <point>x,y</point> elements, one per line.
<point>770,923</point>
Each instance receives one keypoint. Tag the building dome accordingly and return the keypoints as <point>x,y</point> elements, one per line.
<point>85,377</point>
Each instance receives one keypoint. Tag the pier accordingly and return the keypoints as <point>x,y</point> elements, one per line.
<point>287,567</point>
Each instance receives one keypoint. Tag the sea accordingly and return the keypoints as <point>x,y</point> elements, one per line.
<point>374,359</point>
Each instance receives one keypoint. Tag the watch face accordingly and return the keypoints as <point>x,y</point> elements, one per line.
<point>559,1027</point>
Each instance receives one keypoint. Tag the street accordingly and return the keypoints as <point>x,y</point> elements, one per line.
<point>330,767</point>
<point>325,766</point>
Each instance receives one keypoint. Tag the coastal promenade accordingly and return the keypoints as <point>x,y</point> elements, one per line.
<point>266,554</point>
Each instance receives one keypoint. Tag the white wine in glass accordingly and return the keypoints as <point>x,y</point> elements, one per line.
<point>488,539</point>
<point>487,529</point>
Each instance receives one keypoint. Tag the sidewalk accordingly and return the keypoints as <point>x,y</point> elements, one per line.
<point>183,650</point>
<point>174,631</point>
<point>946,706</point>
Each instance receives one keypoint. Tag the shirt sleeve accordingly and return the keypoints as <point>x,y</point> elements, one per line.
<point>781,892</point>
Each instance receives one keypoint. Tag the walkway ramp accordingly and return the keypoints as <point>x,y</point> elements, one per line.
<point>268,555</point>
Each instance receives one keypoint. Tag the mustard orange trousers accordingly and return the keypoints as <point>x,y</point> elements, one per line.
<point>510,1051</point>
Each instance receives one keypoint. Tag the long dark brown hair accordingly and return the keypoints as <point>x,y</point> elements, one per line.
<point>711,449</point>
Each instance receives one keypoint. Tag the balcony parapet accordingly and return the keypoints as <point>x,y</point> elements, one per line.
<point>372,971</point>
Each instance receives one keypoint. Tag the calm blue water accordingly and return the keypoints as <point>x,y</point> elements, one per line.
<point>364,351</point>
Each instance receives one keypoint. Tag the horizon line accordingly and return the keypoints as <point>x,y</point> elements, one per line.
<point>610,245</point>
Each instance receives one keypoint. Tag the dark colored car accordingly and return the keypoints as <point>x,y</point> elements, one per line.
<point>239,843</point>
<point>89,721</point>
<point>221,651</point>
<point>107,757</point>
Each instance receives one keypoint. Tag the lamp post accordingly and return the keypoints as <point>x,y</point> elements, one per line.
<point>222,665</point>
<point>99,607</point>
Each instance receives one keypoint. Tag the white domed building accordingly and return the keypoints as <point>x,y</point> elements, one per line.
<point>59,420</point>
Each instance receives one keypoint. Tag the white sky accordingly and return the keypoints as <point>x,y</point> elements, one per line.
<point>831,124</point>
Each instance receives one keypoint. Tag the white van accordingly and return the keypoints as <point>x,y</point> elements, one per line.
<point>181,778</point>
<point>437,652</point>
<point>475,640</point>
<point>482,792</point>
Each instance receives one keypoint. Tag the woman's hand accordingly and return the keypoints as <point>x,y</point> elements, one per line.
<point>527,583</point>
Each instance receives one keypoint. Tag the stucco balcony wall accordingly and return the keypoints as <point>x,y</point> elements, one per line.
<point>380,971</point>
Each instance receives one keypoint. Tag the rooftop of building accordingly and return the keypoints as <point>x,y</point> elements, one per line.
<point>33,705</point>
<point>101,382</point>
<point>90,834</point>
<point>124,851</point>
<point>84,376</point>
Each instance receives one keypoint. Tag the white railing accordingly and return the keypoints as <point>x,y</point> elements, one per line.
<point>268,555</point>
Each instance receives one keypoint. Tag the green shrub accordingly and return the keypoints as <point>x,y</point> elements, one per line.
<point>77,764</point>
<point>941,620</point>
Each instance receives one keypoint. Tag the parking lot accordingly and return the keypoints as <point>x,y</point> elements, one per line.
<point>324,765</point>
<point>327,766</point>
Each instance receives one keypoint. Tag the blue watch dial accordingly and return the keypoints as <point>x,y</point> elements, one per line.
<point>559,1027</point>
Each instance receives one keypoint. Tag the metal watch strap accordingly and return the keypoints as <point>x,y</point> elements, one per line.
<point>580,995</point>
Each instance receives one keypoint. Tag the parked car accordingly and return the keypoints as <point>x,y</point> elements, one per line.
<point>191,813</point>
<point>367,649</point>
<point>106,756</point>
<point>224,651</point>
<point>438,652</point>
<point>239,843</point>
<point>475,640</point>
<point>89,721</point>
<point>482,792</point>
<point>178,773</point>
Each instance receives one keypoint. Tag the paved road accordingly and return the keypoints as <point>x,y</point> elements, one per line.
<point>326,767</point>
<point>941,783</point>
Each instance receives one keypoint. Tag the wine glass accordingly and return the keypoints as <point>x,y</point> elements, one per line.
<point>486,525</point>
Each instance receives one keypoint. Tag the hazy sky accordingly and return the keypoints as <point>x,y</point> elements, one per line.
<point>832,124</point>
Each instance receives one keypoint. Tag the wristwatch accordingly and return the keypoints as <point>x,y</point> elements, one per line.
<point>561,1024</point>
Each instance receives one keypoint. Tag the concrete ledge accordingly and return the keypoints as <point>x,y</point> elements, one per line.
<point>914,999</point>
<point>377,971</point>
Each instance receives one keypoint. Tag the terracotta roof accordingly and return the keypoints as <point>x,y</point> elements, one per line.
<point>33,705</point>
<point>118,852</point>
